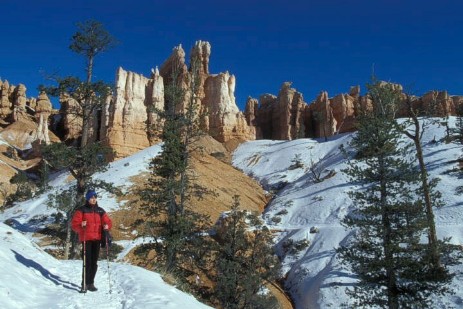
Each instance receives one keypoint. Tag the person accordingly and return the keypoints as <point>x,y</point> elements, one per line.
<point>88,222</point>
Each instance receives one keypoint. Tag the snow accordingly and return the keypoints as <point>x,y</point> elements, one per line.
<point>316,277</point>
<point>31,278</point>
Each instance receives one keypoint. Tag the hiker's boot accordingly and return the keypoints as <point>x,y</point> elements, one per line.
<point>91,288</point>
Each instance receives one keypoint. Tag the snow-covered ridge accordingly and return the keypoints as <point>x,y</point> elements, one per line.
<point>316,278</point>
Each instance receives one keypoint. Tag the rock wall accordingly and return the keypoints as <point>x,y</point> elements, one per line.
<point>130,124</point>
<point>321,119</point>
<point>71,122</point>
<point>43,109</point>
<point>128,121</point>
<point>5,103</point>
<point>15,107</point>
<point>287,116</point>
<point>225,121</point>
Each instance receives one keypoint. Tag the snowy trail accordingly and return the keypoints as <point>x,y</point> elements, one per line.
<point>126,289</point>
<point>31,279</point>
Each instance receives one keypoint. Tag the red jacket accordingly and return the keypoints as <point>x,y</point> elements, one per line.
<point>95,216</point>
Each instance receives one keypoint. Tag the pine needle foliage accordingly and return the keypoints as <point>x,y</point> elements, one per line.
<point>177,228</point>
<point>388,218</point>
<point>245,261</point>
<point>81,157</point>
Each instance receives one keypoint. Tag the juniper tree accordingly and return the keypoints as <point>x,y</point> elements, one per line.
<point>81,158</point>
<point>388,217</point>
<point>245,261</point>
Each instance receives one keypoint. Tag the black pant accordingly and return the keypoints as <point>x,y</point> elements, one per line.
<point>92,250</point>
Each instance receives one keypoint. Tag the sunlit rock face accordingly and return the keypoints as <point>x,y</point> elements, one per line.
<point>71,121</point>
<point>128,118</point>
<point>343,110</point>
<point>43,109</point>
<point>129,121</point>
<point>5,103</point>
<point>278,117</point>
<point>225,121</point>
<point>321,116</point>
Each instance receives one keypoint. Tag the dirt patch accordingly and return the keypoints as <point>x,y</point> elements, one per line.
<point>211,168</point>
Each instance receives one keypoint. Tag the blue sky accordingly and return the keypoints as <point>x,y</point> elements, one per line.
<point>318,45</point>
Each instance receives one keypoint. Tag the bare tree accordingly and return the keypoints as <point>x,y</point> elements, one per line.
<point>431,199</point>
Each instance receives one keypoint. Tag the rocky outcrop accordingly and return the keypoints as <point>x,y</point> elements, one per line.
<point>279,117</point>
<point>19,102</point>
<point>199,65</point>
<point>5,104</point>
<point>43,109</point>
<point>15,108</point>
<point>321,117</point>
<point>287,116</point>
<point>129,121</point>
<point>437,103</point>
<point>13,102</point>
<point>458,103</point>
<point>343,112</point>
<point>264,116</point>
<point>225,121</point>
<point>252,105</point>
<point>72,122</point>
<point>175,67</point>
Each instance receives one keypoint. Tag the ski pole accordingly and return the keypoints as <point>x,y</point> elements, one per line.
<point>107,260</point>
<point>84,266</point>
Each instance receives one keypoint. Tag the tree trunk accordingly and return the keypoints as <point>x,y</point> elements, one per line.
<point>392,299</point>
<point>85,123</point>
<point>67,244</point>
<point>90,69</point>
<point>432,234</point>
<point>86,108</point>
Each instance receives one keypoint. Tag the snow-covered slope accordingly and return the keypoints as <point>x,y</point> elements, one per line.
<point>315,277</point>
<point>31,278</point>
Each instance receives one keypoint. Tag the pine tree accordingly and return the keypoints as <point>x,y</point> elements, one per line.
<point>245,261</point>
<point>388,218</point>
<point>24,186</point>
<point>80,157</point>
<point>169,190</point>
<point>82,164</point>
<point>457,132</point>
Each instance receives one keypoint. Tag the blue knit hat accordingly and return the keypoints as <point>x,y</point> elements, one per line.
<point>90,193</point>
